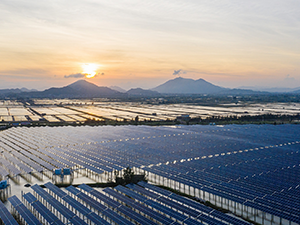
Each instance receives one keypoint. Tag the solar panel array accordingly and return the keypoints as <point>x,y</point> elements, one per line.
<point>135,204</point>
<point>254,166</point>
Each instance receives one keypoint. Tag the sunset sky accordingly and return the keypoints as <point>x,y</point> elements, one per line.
<point>134,43</point>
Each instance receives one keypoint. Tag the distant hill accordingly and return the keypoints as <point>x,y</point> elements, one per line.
<point>116,88</point>
<point>297,91</point>
<point>270,89</point>
<point>78,89</point>
<point>14,91</point>
<point>181,85</point>
<point>85,89</point>
<point>142,92</point>
<point>237,91</point>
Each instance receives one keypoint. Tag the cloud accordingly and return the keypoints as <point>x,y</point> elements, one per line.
<point>25,73</point>
<point>289,79</point>
<point>178,72</point>
<point>82,75</point>
<point>75,75</point>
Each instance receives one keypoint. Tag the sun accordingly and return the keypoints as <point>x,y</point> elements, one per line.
<point>89,69</point>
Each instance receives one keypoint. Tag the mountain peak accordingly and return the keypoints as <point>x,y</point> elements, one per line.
<point>141,92</point>
<point>181,85</point>
<point>116,88</point>
<point>82,84</point>
<point>78,89</point>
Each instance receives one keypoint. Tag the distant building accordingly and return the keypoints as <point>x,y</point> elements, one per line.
<point>183,117</point>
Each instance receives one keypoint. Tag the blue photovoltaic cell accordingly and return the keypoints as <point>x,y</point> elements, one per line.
<point>134,215</point>
<point>192,204</point>
<point>3,172</point>
<point>45,213</point>
<point>159,190</point>
<point>99,196</point>
<point>86,188</point>
<point>15,201</point>
<point>181,199</point>
<point>190,221</point>
<point>23,211</point>
<point>128,201</point>
<point>96,219</point>
<point>29,197</point>
<point>131,193</point>
<point>75,204</point>
<point>166,210</point>
<point>127,211</point>
<point>57,205</point>
<point>143,191</point>
<point>5,215</point>
<point>180,207</point>
<point>210,220</point>
<point>229,219</point>
<point>22,166</point>
<point>98,206</point>
<point>55,190</point>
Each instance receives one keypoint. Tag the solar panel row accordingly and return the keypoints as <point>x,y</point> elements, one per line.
<point>69,215</point>
<point>28,217</point>
<point>5,216</point>
<point>42,210</point>
<point>75,204</point>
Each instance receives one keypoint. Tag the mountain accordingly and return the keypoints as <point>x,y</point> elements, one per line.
<point>270,89</point>
<point>139,92</point>
<point>27,90</point>
<point>78,89</point>
<point>181,85</point>
<point>237,91</point>
<point>116,88</point>
<point>5,92</point>
<point>297,91</point>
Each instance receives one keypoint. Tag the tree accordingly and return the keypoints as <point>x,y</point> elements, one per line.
<point>128,175</point>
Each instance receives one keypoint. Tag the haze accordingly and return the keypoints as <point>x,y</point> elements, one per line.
<point>144,43</point>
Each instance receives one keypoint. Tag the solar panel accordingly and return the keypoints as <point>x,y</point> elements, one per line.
<point>125,210</point>
<point>29,198</point>
<point>10,167</point>
<point>143,191</point>
<point>166,210</point>
<point>57,205</point>
<point>76,205</point>
<point>193,204</point>
<point>100,196</point>
<point>159,190</point>
<point>209,220</point>
<point>5,216</point>
<point>142,208</point>
<point>131,193</point>
<point>98,206</point>
<point>44,212</point>
<point>3,172</point>
<point>23,211</point>
<point>16,162</point>
<point>55,190</point>
<point>190,221</point>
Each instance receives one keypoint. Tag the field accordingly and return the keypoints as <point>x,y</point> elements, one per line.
<point>78,111</point>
